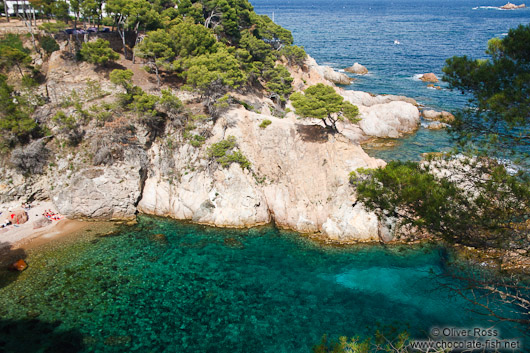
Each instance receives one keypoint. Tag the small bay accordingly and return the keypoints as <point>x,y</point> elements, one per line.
<point>168,286</point>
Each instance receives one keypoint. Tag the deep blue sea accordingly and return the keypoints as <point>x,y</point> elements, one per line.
<point>339,33</point>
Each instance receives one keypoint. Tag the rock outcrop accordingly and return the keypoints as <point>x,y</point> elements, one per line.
<point>510,6</point>
<point>389,120</point>
<point>429,77</point>
<point>434,115</point>
<point>357,69</point>
<point>299,179</point>
<point>298,176</point>
<point>366,99</point>
<point>106,192</point>
<point>386,116</point>
<point>328,73</point>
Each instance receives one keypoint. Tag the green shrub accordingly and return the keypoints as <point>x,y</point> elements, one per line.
<point>28,81</point>
<point>48,44</point>
<point>294,54</point>
<point>98,52</point>
<point>93,90</point>
<point>16,125</point>
<point>68,126</point>
<point>13,53</point>
<point>265,123</point>
<point>52,27</point>
<point>220,152</point>
<point>197,140</point>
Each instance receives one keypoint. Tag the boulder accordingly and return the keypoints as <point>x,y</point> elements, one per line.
<point>391,119</point>
<point>334,76</point>
<point>510,6</point>
<point>429,77</point>
<point>19,265</point>
<point>368,99</point>
<point>41,222</point>
<point>442,116</point>
<point>18,216</point>
<point>357,69</point>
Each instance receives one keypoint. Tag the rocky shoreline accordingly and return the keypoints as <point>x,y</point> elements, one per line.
<point>298,177</point>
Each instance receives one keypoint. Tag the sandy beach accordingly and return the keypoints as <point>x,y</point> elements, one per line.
<point>20,235</point>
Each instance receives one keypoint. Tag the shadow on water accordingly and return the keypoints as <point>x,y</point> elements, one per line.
<point>33,335</point>
<point>8,256</point>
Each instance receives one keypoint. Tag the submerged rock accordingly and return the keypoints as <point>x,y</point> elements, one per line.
<point>19,265</point>
<point>437,125</point>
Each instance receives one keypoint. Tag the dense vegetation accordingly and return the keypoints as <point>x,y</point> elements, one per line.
<point>211,46</point>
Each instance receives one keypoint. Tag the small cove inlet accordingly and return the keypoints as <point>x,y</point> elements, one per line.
<point>175,287</point>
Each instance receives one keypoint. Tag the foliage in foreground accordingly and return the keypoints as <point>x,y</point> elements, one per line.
<point>499,116</point>
<point>471,201</point>
<point>387,340</point>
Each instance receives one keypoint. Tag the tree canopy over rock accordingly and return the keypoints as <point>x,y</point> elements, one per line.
<point>322,102</point>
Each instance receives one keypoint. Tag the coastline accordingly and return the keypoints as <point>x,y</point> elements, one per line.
<point>16,238</point>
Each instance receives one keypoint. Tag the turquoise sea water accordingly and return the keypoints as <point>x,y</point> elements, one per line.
<point>339,33</point>
<point>164,286</point>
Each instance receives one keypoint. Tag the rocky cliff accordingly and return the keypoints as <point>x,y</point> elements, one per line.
<point>298,179</point>
<point>298,174</point>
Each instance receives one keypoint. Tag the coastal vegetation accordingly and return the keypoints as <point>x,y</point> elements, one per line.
<point>210,47</point>
<point>225,153</point>
<point>474,198</point>
<point>322,102</point>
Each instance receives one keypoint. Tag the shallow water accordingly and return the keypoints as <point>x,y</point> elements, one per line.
<point>165,286</point>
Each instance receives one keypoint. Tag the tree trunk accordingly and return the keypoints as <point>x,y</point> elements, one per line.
<point>29,23</point>
<point>6,10</point>
<point>333,123</point>
<point>157,76</point>
<point>135,40</point>
<point>19,70</point>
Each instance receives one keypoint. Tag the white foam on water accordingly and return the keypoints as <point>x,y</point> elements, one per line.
<point>488,8</point>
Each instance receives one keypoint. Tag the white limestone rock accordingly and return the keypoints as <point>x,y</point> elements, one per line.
<point>389,120</point>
